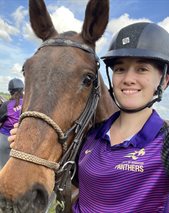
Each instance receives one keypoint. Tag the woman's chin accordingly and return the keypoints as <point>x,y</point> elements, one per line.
<point>131,106</point>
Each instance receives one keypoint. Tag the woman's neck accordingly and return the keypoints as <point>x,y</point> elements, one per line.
<point>134,119</point>
<point>128,124</point>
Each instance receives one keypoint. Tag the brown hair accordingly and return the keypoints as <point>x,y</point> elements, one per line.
<point>16,95</point>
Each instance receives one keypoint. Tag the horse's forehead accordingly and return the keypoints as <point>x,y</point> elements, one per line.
<point>63,55</point>
<point>59,58</point>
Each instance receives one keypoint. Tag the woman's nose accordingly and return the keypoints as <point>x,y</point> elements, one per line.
<point>129,77</point>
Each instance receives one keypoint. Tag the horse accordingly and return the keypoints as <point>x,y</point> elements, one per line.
<point>62,86</point>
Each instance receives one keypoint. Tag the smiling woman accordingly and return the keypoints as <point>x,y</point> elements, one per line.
<point>135,80</point>
<point>124,152</point>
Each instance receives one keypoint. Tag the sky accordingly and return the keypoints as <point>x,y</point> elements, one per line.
<point>18,42</point>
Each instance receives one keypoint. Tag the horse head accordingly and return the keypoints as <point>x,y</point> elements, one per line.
<point>61,81</point>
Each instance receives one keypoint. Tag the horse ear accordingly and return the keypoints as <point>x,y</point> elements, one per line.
<point>96,19</point>
<point>40,20</point>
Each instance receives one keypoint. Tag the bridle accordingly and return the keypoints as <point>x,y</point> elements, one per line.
<point>65,169</point>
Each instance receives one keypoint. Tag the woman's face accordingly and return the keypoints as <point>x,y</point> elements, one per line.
<point>135,81</point>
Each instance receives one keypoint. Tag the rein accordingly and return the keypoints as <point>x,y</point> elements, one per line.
<point>65,169</point>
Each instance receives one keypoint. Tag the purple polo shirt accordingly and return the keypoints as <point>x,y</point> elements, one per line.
<point>124,178</point>
<point>13,114</point>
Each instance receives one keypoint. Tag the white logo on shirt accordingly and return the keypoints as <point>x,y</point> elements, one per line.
<point>17,108</point>
<point>88,151</point>
<point>135,155</point>
<point>132,165</point>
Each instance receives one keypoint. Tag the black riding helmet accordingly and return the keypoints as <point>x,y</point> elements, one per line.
<point>143,40</point>
<point>14,85</point>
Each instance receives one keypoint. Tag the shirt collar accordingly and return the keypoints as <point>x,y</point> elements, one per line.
<point>148,132</point>
<point>107,125</point>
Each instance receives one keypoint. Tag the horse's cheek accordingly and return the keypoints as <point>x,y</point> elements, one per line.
<point>49,179</point>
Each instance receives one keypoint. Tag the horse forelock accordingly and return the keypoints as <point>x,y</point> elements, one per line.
<point>68,33</point>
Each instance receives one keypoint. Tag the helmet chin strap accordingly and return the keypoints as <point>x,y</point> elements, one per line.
<point>158,93</point>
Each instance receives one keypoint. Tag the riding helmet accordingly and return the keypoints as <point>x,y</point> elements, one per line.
<point>143,39</point>
<point>15,84</point>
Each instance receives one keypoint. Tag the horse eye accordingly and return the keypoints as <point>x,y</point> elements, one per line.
<point>88,80</point>
<point>23,70</point>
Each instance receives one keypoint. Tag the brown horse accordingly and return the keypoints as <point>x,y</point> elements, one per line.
<point>59,80</point>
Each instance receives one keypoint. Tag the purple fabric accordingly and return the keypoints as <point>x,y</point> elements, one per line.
<point>13,114</point>
<point>127,177</point>
<point>166,210</point>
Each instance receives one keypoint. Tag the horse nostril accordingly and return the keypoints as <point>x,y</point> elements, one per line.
<point>39,198</point>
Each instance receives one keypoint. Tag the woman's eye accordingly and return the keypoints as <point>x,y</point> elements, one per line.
<point>88,80</point>
<point>142,69</point>
<point>118,69</point>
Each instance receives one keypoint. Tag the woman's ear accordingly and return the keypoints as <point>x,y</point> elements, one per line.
<point>166,82</point>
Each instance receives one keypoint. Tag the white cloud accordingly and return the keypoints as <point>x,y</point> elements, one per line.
<point>165,23</point>
<point>16,69</point>
<point>100,44</point>
<point>11,60</point>
<point>4,83</point>
<point>29,34</point>
<point>19,15</point>
<point>7,31</point>
<point>5,36</point>
<point>10,53</point>
<point>116,24</point>
<point>64,20</point>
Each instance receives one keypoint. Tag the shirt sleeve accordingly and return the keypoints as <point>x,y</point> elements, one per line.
<point>3,112</point>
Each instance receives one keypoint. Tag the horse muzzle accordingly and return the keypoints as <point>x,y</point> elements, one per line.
<point>34,201</point>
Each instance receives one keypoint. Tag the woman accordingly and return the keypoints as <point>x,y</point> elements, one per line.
<point>119,166</point>
<point>9,115</point>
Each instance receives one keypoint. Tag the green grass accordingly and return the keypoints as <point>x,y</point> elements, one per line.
<point>52,209</point>
<point>5,95</point>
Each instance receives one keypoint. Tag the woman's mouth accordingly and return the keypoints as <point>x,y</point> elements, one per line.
<point>130,91</point>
